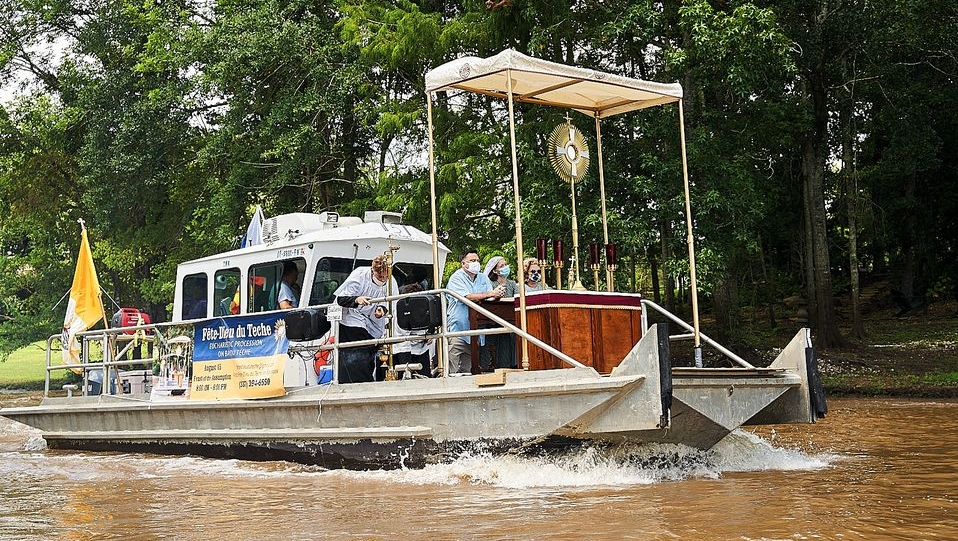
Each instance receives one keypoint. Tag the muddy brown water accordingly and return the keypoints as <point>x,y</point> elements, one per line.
<point>873,469</point>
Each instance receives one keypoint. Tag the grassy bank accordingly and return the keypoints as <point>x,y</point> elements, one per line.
<point>25,368</point>
<point>911,356</point>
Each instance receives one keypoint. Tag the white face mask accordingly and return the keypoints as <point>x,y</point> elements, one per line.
<point>473,267</point>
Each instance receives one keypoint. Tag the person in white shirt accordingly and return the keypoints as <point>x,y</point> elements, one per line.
<point>535,281</point>
<point>361,319</point>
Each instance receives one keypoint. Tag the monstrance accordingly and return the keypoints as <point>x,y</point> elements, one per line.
<point>569,155</point>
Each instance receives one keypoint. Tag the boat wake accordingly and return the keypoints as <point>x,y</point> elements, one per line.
<point>589,465</point>
<point>609,465</point>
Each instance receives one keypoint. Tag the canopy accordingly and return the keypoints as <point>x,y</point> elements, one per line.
<point>514,76</point>
<point>534,80</point>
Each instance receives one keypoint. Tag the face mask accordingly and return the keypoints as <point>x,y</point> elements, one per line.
<point>535,276</point>
<point>473,267</point>
<point>504,271</point>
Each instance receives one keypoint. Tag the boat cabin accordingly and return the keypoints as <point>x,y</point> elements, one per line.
<point>325,248</point>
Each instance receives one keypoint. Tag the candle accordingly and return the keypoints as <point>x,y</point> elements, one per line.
<point>557,250</point>
<point>610,253</point>
<point>541,249</point>
<point>594,254</point>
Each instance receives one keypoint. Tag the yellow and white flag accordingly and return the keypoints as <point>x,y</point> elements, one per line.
<point>85,307</point>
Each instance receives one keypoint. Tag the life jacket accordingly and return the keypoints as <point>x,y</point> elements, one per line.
<point>323,357</point>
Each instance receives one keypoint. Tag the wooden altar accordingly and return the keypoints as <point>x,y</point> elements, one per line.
<point>597,329</point>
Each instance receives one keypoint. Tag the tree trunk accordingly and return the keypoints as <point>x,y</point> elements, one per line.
<point>807,257</point>
<point>851,199</point>
<point>767,287</point>
<point>813,173</point>
<point>667,278</point>
<point>908,244</point>
<point>654,267</point>
<point>725,308</point>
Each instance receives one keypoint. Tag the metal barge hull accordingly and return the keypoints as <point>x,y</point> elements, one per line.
<point>410,423</point>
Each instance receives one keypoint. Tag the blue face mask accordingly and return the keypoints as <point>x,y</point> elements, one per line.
<point>504,271</point>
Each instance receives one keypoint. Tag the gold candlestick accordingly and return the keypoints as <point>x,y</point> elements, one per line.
<point>595,275</point>
<point>558,267</point>
<point>611,277</point>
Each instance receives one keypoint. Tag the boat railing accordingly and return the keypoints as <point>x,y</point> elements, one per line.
<point>647,304</point>
<point>114,351</point>
<point>443,336</point>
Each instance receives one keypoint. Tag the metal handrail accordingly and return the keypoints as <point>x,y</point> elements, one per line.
<point>109,358</point>
<point>722,349</point>
<point>506,328</point>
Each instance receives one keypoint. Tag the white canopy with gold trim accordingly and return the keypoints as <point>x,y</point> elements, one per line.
<point>534,80</point>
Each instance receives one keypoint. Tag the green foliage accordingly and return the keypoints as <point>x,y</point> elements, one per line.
<point>164,124</point>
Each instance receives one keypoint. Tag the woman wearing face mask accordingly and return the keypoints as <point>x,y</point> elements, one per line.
<point>533,275</point>
<point>500,350</point>
<point>361,319</point>
<point>498,271</point>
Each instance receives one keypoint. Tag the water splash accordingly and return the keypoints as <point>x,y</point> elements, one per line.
<point>608,465</point>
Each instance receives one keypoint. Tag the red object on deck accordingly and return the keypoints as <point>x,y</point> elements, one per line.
<point>130,317</point>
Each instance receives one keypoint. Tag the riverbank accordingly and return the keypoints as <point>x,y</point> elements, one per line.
<point>914,356</point>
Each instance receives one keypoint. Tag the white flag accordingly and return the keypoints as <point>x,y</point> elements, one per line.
<point>254,233</point>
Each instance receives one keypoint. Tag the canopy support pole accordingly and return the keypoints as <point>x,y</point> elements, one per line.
<point>517,201</point>
<point>605,216</point>
<point>691,242</point>
<point>436,273</point>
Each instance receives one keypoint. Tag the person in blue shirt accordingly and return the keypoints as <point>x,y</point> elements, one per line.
<point>470,282</point>
<point>288,290</point>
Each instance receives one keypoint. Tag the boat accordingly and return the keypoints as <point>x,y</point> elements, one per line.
<point>237,377</point>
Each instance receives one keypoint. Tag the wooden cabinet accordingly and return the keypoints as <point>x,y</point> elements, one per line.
<point>597,329</point>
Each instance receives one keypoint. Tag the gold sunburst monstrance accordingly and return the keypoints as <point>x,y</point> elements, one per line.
<point>569,155</point>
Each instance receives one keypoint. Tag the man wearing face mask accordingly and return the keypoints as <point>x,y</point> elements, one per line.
<point>361,319</point>
<point>470,282</point>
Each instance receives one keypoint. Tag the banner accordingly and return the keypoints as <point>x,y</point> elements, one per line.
<point>239,357</point>
<point>85,307</point>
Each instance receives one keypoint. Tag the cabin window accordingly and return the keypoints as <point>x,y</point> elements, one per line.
<point>332,271</point>
<point>226,292</point>
<point>194,296</point>
<point>265,283</point>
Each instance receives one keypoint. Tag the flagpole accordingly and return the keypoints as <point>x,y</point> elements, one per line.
<point>99,292</point>
<point>81,313</point>
<point>110,340</point>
